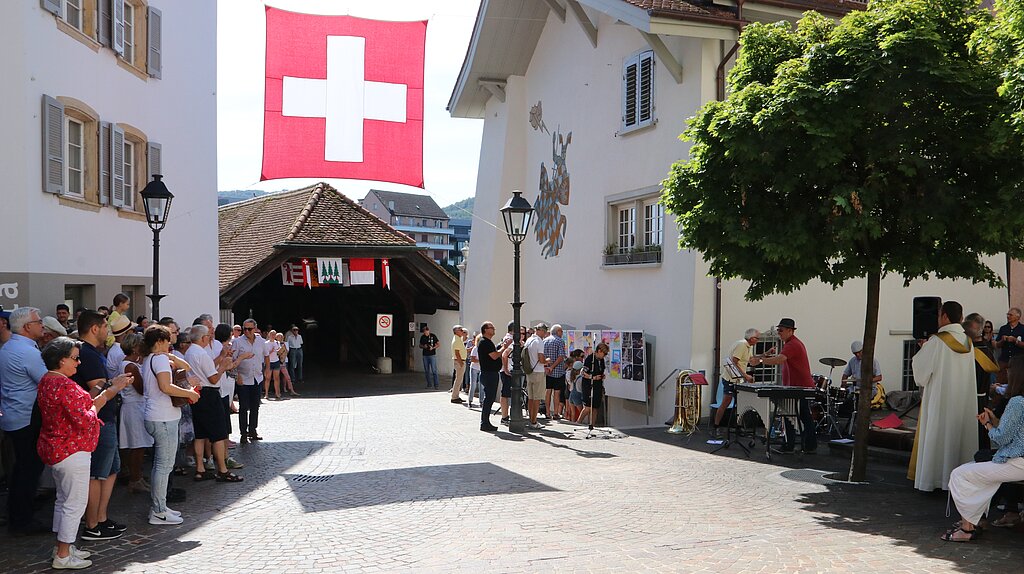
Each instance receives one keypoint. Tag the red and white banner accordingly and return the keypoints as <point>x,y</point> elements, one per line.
<point>360,271</point>
<point>385,274</point>
<point>344,98</point>
<point>307,273</point>
<point>292,274</point>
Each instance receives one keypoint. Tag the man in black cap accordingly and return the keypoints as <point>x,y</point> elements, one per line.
<point>796,372</point>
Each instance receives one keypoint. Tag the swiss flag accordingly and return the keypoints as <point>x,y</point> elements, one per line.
<point>344,98</point>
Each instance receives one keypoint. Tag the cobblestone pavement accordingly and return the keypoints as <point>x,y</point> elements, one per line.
<point>373,474</point>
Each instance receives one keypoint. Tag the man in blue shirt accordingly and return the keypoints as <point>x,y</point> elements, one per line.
<point>21,368</point>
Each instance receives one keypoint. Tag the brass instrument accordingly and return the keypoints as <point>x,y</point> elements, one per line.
<point>688,400</point>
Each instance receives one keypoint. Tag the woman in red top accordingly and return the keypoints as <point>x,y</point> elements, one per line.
<point>66,441</point>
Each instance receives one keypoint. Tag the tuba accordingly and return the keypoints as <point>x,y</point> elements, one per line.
<point>687,404</point>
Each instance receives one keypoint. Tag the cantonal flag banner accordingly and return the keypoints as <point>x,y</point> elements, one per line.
<point>329,270</point>
<point>360,271</point>
<point>291,274</point>
<point>344,98</point>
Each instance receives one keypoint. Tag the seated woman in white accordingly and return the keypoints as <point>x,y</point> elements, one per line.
<point>972,485</point>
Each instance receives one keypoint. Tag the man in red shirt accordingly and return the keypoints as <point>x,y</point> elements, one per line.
<point>796,372</point>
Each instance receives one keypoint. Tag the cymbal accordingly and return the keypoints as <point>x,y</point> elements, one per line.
<point>832,362</point>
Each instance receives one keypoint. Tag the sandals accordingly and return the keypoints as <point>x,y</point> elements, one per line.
<point>201,476</point>
<point>228,477</point>
<point>180,471</point>
<point>1008,520</point>
<point>972,535</point>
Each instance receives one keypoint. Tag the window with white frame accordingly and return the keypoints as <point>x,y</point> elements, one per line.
<point>654,217</point>
<point>129,32</point>
<point>75,161</point>
<point>627,229</point>
<point>129,174</point>
<point>72,13</point>
<point>638,91</point>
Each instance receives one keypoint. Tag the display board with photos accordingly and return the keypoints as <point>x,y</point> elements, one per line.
<point>626,362</point>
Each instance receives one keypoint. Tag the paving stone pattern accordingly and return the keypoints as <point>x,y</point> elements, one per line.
<point>372,474</point>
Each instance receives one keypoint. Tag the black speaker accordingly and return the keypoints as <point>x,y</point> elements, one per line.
<point>926,316</point>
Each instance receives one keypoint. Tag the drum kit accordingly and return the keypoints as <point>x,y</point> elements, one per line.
<point>834,402</point>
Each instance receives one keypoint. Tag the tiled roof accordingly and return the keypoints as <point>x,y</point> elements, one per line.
<point>315,215</point>
<point>708,10</point>
<point>412,204</point>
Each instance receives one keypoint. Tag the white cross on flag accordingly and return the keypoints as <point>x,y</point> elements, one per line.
<point>344,98</point>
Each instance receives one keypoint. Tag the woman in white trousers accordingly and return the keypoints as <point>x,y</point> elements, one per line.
<point>972,485</point>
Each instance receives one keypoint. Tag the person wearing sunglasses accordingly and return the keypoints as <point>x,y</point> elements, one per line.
<point>21,369</point>
<point>69,434</point>
<point>250,352</point>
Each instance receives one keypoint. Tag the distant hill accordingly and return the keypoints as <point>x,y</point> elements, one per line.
<point>460,209</point>
<point>226,197</point>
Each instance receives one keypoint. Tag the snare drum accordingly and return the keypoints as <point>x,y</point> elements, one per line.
<point>822,383</point>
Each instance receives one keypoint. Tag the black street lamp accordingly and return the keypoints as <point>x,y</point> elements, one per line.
<point>156,199</point>
<point>517,213</point>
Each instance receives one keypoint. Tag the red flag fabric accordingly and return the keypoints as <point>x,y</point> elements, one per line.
<point>385,274</point>
<point>307,273</point>
<point>360,271</point>
<point>344,98</point>
<point>292,274</point>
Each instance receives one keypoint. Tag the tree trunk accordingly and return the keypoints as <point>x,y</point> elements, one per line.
<point>859,462</point>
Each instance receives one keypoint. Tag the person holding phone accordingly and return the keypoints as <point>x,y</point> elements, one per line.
<point>593,383</point>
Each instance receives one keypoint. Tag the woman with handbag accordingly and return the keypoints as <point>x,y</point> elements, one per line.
<point>159,366</point>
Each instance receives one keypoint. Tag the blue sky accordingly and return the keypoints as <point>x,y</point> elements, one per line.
<point>451,146</point>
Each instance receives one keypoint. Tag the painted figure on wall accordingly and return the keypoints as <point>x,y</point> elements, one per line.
<point>554,190</point>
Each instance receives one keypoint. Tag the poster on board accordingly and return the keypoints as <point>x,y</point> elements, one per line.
<point>626,361</point>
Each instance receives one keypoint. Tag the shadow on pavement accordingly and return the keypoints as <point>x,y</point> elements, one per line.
<point>887,505</point>
<point>144,543</point>
<point>423,483</point>
<point>335,383</point>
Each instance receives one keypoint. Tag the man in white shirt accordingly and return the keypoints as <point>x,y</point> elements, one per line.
<point>536,379</point>
<point>253,367</point>
<point>294,341</point>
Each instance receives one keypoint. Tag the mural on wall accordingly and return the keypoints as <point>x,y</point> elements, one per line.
<point>554,190</point>
<point>537,118</point>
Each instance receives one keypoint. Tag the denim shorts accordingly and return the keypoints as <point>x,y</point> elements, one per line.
<point>576,398</point>
<point>105,459</point>
<point>275,366</point>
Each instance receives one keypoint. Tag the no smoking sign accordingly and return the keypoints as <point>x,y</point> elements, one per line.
<point>384,323</point>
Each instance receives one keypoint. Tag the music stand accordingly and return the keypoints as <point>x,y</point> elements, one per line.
<point>735,376</point>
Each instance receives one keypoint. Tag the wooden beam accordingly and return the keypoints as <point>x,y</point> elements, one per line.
<point>665,55</point>
<point>495,87</point>
<point>581,16</point>
<point>557,8</point>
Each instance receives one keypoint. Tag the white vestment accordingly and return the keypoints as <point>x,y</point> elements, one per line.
<point>947,428</point>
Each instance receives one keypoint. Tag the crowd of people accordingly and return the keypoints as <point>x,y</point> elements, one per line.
<point>560,386</point>
<point>86,396</point>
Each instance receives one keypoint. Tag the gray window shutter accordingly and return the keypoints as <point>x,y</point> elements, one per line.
<point>154,152</point>
<point>116,25</point>
<point>629,88</point>
<point>51,6</point>
<point>105,162</point>
<point>104,23</point>
<point>53,145</point>
<point>645,88</point>
<point>117,167</point>
<point>154,60</point>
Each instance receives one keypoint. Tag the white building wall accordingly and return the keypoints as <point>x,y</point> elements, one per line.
<point>579,87</point>
<point>48,240</point>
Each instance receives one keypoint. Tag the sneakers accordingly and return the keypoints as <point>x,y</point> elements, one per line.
<point>160,518</point>
<point>108,523</point>
<point>170,510</point>
<point>70,562</point>
<point>83,554</point>
<point>534,426</point>
<point>101,532</point>
<point>209,465</point>
<point>232,464</point>
<point>504,420</point>
<point>488,428</point>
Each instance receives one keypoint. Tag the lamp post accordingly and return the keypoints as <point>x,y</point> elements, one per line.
<point>156,199</point>
<point>517,214</point>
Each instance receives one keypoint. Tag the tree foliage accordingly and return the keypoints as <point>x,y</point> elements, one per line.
<point>882,143</point>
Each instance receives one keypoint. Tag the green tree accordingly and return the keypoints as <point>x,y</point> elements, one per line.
<point>871,146</point>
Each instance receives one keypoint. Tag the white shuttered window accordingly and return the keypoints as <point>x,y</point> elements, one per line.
<point>129,32</point>
<point>75,158</point>
<point>638,91</point>
<point>129,175</point>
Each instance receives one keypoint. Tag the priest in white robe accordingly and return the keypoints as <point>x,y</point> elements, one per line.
<point>947,428</point>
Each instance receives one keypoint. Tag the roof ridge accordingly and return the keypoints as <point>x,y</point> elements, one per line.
<point>372,216</point>
<point>265,197</point>
<point>314,199</point>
